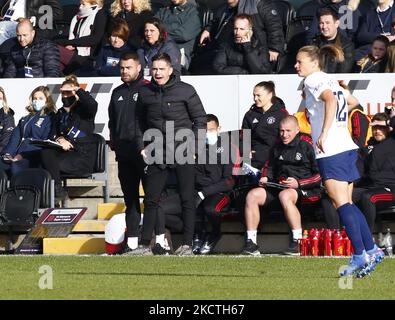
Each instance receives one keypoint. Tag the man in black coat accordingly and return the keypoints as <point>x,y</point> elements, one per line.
<point>330,34</point>
<point>245,55</point>
<point>32,57</point>
<point>171,117</point>
<point>121,114</point>
<point>266,25</point>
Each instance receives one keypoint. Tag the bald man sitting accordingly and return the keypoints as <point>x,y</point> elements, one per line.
<point>293,167</point>
<point>32,57</point>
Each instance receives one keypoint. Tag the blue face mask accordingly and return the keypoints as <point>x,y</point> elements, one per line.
<point>38,105</point>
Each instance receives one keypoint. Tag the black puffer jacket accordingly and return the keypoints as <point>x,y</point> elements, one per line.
<point>297,160</point>
<point>7,125</point>
<point>41,55</point>
<point>244,58</point>
<point>175,102</point>
<point>380,164</point>
<point>264,128</point>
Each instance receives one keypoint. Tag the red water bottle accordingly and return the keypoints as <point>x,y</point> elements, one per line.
<point>328,242</point>
<point>304,244</point>
<point>314,243</point>
<point>346,244</point>
<point>337,244</point>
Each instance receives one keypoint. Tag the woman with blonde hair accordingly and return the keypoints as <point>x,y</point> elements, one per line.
<point>135,13</point>
<point>7,122</point>
<point>87,29</point>
<point>73,129</point>
<point>19,152</point>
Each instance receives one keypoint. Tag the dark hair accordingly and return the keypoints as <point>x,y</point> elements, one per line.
<point>130,56</point>
<point>211,117</point>
<point>381,116</point>
<point>120,28</point>
<point>268,86</point>
<point>243,16</point>
<point>382,39</point>
<point>162,56</point>
<point>160,26</point>
<point>328,12</point>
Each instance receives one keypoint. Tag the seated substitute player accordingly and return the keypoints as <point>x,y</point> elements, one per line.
<point>376,189</point>
<point>293,166</point>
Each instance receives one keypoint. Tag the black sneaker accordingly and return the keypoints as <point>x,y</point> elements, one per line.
<point>196,245</point>
<point>293,249</point>
<point>251,249</point>
<point>209,245</point>
<point>158,250</point>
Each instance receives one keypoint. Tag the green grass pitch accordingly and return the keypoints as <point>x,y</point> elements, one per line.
<point>213,277</point>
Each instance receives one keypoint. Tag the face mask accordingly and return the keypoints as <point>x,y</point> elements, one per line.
<point>68,101</point>
<point>38,104</point>
<point>1,104</point>
<point>84,11</point>
<point>211,138</point>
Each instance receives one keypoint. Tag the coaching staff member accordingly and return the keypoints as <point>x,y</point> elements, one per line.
<point>164,103</point>
<point>121,113</point>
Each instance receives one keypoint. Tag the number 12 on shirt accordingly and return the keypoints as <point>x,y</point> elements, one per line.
<point>341,111</point>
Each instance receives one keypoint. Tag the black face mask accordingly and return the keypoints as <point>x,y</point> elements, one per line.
<point>68,101</point>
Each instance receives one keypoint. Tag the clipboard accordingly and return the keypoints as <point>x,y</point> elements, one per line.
<point>46,143</point>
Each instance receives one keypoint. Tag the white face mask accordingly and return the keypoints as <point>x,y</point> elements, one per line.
<point>85,11</point>
<point>38,105</point>
<point>2,103</point>
<point>211,138</point>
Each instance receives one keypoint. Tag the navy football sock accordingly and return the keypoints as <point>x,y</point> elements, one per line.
<point>351,222</point>
<point>367,236</point>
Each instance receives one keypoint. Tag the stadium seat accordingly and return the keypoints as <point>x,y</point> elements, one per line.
<point>3,181</point>
<point>62,27</point>
<point>308,9</point>
<point>286,12</point>
<point>295,39</point>
<point>100,169</point>
<point>39,178</point>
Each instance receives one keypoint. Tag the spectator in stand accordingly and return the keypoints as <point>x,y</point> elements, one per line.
<point>347,12</point>
<point>330,34</point>
<point>135,12</point>
<point>266,25</point>
<point>32,57</point>
<point>263,119</point>
<point>107,62</point>
<point>156,41</point>
<point>376,22</point>
<point>73,130</point>
<point>87,29</point>
<point>182,22</point>
<point>19,153</point>
<point>36,11</point>
<point>7,122</point>
<point>377,60</point>
<point>376,188</point>
<point>245,55</point>
<point>293,166</point>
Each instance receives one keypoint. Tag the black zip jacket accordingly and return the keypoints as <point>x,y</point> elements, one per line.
<point>177,102</point>
<point>214,177</point>
<point>81,117</point>
<point>380,164</point>
<point>295,159</point>
<point>264,128</point>
<point>7,125</point>
<point>122,119</point>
